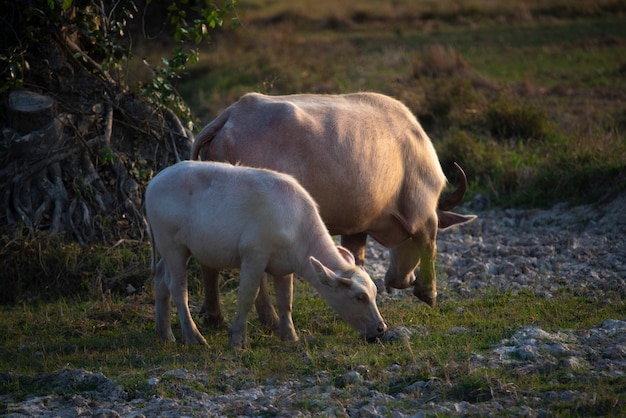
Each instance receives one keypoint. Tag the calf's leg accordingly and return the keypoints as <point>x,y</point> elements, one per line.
<point>176,264</point>
<point>249,282</point>
<point>162,304</point>
<point>283,287</point>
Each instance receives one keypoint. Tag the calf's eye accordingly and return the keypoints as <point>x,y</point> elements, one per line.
<point>361,297</point>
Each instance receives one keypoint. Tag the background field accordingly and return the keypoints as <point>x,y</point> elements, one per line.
<point>528,96</point>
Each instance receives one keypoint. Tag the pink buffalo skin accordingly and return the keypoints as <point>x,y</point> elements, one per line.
<point>365,160</point>
<point>257,220</point>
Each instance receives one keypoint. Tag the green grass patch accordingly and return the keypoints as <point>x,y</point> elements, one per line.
<point>116,337</point>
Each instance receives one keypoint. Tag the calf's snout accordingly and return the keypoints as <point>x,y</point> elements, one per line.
<point>380,329</point>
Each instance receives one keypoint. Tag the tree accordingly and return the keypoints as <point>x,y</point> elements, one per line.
<point>78,144</point>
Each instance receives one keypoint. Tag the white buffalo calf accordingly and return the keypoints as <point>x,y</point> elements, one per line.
<point>260,221</point>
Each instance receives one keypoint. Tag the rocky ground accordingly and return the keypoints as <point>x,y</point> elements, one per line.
<point>582,248</point>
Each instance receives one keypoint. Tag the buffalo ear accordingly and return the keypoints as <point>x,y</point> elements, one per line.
<point>448,219</point>
<point>346,254</point>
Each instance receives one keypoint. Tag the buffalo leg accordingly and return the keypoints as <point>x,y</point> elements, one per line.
<point>355,243</point>
<point>283,287</point>
<point>425,286</point>
<point>211,310</point>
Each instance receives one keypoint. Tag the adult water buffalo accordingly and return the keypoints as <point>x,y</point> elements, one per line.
<point>366,161</point>
<point>261,221</point>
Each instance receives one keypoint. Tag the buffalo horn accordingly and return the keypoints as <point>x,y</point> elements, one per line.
<point>448,202</point>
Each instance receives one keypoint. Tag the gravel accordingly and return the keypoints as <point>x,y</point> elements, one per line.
<point>580,248</point>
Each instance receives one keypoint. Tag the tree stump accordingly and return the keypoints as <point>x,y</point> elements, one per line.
<point>28,111</point>
<point>80,165</point>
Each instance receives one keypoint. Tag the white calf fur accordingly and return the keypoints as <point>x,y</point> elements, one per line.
<point>260,221</point>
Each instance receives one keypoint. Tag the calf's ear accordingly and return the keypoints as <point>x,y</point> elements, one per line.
<point>326,276</point>
<point>346,254</point>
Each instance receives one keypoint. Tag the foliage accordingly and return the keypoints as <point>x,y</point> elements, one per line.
<point>161,90</point>
<point>103,30</point>
<point>86,182</point>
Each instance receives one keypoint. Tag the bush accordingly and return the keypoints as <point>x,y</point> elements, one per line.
<point>508,120</point>
<point>45,268</point>
<point>492,165</point>
<point>438,61</point>
<point>451,102</point>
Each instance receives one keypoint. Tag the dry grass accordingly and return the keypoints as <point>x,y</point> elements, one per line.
<point>439,61</point>
<point>381,10</point>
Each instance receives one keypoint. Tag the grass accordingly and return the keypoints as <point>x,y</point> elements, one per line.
<point>44,268</point>
<point>116,336</point>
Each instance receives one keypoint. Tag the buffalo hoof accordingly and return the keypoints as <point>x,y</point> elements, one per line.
<point>212,320</point>
<point>288,333</point>
<point>430,298</point>
<point>215,322</point>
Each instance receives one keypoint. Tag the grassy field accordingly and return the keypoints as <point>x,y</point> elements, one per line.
<point>528,96</point>
<point>115,336</point>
